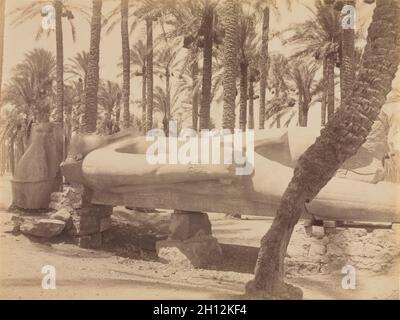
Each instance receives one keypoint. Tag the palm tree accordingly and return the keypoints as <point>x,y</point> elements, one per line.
<point>320,37</point>
<point>165,64</point>
<point>2,19</point>
<point>149,74</point>
<point>138,54</point>
<point>246,56</point>
<point>29,92</point>
<point>35,10</point>
<point>30,87</point>
<point>347,63</point>
<point>278,83</point>
<point>197,21</point>
<point>109,98</point>
<point>341,138</point>
<point>230,62</point>
<point>167,104</point>
<point>89,118</point>
<point>126,63</point>
<point>303,73</point>
<point>264,7</point>
<point>78,66</point>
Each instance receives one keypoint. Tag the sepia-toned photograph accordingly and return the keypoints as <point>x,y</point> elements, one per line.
<point>199,150</point>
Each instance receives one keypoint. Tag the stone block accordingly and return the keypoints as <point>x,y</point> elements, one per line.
<point>92,241</point>
<point>184,225</point>
<point>62,215</point>
<point>197,252</point>
<point>105,224</point>
<point>46,228</point>
<point>84,225</point>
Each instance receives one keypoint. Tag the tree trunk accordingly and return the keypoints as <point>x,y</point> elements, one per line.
<point>2,19</point>
<point>324,93</point>
<point>116,127</point>
<point>251,105</point>
<point>347,72</point>
<point>60,63</point>
<point>208,18</point>
<point>230,63</point>
<point>303,115</point>
<point>149,74</point>
<point>330,66</point>
<point>12,155</point>
<point>340,139</point>
<point>89,119</point>
<point>168,102</point>
<point>264,66</point>
<point>144,84</point>
<point>195,96</point>
<point>126,64</point>
<point>243,96</point>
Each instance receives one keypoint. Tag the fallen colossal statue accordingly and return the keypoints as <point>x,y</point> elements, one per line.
<point>117,170</point>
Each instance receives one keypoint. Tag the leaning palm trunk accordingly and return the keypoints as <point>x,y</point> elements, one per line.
<point>89,118</point>
<point>324,93</point>
<point>347,72</point>
<point>330,81</point>
<point>126,64</point>
<point>204,114</point>
<point>230,63</point>
<point>149,75</point>
<point>264,66</point>
<point>243,95</point>
<point>340,139</point>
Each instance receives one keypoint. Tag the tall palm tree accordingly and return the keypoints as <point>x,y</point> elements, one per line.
<point>138,55</point>
<point>341,138</point>
<point>35,10</point>
<point>247,49</point>
<point>320,37</point>
<point>165,64</point>
<point>2,20</point>
<point>89,118</point>
<point>149,74</point>
<point>197,21</point>
<point>264,8</point>
<point>347,63</point>
<point>126,63</point>
<point>231,11</point>
<point>121,14</point>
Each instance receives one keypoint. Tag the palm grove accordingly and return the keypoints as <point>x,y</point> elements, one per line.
<point>198,53</point>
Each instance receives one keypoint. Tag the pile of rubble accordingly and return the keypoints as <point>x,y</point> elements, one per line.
<point>325,252</point>
<point>83,225</point>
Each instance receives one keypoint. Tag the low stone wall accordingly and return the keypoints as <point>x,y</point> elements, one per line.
<point>322,252</point>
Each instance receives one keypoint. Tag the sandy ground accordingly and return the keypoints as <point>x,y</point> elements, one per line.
<point>122,270</point>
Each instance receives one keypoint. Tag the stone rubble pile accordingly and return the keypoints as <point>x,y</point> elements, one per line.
<point>322,252</point>
<point>87,224</point>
